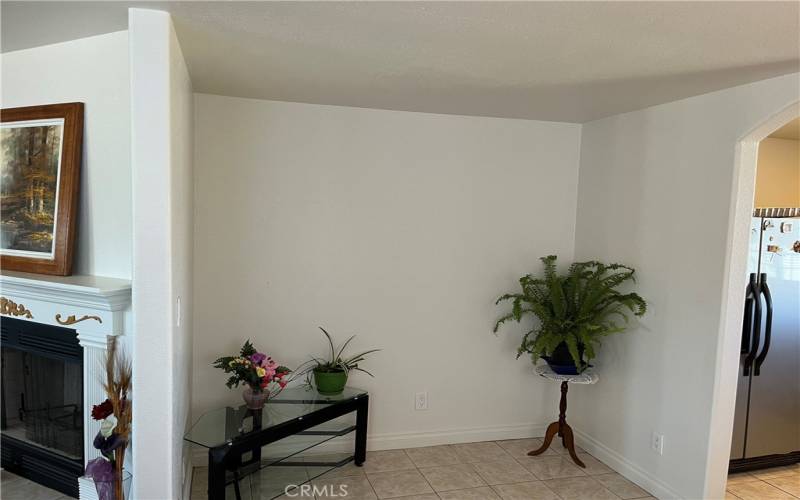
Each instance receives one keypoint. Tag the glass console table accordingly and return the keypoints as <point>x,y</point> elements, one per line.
<point>266,443</point>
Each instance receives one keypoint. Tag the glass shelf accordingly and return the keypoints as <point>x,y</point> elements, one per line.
<point>302,443</point>
<point>279,478</point>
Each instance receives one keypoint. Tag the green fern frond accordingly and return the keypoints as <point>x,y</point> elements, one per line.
<point>577,308</point>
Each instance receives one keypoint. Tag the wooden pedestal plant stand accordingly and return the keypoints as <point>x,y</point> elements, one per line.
<point>575,309</point>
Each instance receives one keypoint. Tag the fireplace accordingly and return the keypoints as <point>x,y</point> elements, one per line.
<point>55,333</point>
<point>42,403</point>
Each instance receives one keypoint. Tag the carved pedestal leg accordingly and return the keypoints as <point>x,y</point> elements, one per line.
<point>552,430</point>
<point>569,444</point>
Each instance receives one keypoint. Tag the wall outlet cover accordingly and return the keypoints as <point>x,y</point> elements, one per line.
<point>657,443</point>
<point>421,401</point>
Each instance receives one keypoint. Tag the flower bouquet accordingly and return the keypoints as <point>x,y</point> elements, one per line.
<point>262,375</point>
<point>115,428</point>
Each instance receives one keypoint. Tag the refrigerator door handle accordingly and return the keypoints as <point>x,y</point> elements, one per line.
<point>747,323</point>
<point>756,330</point>
<point>767,327</point>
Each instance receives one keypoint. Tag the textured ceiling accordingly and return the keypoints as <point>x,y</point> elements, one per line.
<point>561,61</point>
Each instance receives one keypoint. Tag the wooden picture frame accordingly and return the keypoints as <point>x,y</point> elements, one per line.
<point>40,158</point>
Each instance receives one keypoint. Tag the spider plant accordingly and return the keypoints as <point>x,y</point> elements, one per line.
<point>337,361</point>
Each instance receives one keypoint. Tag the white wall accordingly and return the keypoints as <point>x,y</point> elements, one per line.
<point>93,71</point>
<point>655,192</point>
<point>162,133</point>
<point>400,227</point>
<point>182,220</point>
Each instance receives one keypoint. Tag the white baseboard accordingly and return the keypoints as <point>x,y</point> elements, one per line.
<point>626,468</point>
<point>419,439</point>
<point>393,441</point>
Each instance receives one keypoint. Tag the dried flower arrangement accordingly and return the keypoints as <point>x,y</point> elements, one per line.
<point>115,413</point>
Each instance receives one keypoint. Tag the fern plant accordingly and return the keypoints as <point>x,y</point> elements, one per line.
<point>578,308</point>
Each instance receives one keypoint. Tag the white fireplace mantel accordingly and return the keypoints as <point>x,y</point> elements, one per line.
<point>92,305</point>
<point>95,307</point>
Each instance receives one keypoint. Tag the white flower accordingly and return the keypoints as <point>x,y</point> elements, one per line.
<point>108,426</point>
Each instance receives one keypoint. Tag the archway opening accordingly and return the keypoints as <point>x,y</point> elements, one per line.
<point>740,439</point>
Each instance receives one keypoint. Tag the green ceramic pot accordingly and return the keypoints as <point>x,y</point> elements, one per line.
<point>330,382</point>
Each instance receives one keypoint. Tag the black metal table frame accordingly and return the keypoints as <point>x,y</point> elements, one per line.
<point>228,456</point>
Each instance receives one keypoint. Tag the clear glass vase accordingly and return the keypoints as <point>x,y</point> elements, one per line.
<point>255,398</point>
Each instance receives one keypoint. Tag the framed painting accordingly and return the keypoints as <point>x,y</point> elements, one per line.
<point>40,156</point>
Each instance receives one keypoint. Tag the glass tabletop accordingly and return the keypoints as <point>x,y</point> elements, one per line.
<point>222,425</point>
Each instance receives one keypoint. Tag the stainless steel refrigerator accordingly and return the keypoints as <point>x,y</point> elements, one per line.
<point>767,421</point>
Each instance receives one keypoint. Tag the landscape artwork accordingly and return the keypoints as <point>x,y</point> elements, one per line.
<point>31,164</point>
<point>40,158</point>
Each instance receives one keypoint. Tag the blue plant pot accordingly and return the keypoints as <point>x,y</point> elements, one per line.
<point>561,361</point>
<point>570,369</point>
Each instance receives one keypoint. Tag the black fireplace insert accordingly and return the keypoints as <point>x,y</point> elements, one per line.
<point>42,404</point>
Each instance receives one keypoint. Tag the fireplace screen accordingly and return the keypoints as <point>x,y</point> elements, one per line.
<point>42,388</point>
<point>42,399</point>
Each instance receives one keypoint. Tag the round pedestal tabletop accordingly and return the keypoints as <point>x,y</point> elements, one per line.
<point>586,377</point>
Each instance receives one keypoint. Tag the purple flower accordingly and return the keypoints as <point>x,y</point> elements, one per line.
<point>258,357</point>
<point>107,445</point>
<point>102,471</point>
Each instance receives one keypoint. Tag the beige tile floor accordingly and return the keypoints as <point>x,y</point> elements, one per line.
<point>458,472</point>
<point>779,482</point>
<point>502,470</point>
<point>13,487</point>
<point>479,471</point>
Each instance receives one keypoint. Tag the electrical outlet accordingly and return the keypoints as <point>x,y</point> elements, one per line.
<point>657,443</point>
<point>421,401</point>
